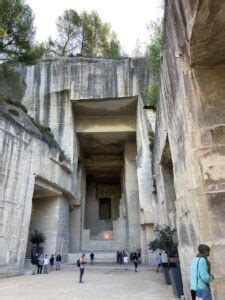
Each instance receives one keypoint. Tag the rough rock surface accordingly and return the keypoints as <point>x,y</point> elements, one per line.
<point>189,143</point>
<point>90,106</point>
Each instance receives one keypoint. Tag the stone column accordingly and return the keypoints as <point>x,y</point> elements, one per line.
<point>131,196</point>
<point>44,219</point>
<point>75,228</point>
<point>51,216</point>
<point>62,238</point>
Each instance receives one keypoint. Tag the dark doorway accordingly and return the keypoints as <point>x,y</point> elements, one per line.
<point>104,208</point>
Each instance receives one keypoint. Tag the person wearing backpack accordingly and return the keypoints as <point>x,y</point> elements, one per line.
<point>81,264</point>
<point>200,274</point>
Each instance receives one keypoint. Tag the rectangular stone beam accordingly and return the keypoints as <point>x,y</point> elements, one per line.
<point>94,124</point>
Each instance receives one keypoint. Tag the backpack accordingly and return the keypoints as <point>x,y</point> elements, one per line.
<point>78,263</point>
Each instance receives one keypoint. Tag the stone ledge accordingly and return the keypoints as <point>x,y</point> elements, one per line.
<point>63,164</point>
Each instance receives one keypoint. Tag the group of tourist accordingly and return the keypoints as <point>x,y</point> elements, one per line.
<point>199,274</point>
<point>42,262</point>
<point>123,258</point>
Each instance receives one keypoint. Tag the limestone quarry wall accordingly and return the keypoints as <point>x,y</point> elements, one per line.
<point>30,169</point>
<point>24,159</point>
<point>51,84</point>
<point>190,134</point>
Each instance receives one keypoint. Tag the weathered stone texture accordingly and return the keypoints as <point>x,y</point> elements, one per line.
<point>23,156</point>
<point>91,107</point>
<point>189,122</point>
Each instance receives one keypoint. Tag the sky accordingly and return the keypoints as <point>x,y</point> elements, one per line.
<point>127,18</point>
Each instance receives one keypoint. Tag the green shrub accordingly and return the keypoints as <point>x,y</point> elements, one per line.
<point>13,112</point>
<point>154,53</point>
<point>165,240</point>
<point>46,132</point>
<point>37,237</point>
<point>155,49</point>
<point>10,84</point>
<point>63,157</point>
<point>15,103</point>
<point>151,95</point>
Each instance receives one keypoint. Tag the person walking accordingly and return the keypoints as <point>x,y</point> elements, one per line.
<point>52,260</point>
<point>58,261</point>
<point>92,256</point>
<point>135,260</point>
<point>34,261</point>
<point>46,263</point>
<point>82,263</point>
<point>165,260</point>
<point>125,261</point>
<point>40,263</point>
<point>200,274</point>
<point>159,262</point>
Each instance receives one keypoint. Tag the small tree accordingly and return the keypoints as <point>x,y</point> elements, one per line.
<point>84,34</point>
<point>69,34</point>
<point>154,52</point>
<point>151,95</point>
<point>37,237</point>
<point>112,50</point>
<point>165,240</point>
<point>17,33</point>
<point>155,48</point>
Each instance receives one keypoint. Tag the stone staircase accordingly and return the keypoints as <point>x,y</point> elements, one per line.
<point>100,256</point>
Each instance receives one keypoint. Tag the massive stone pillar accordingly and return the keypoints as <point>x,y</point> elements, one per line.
<point>131,196</point>
<point>144,175</point>
<point>192,111</point>
<point>51,216</point>
<point>75,228</point>
<point>16,190</point>
<point>62,237</point>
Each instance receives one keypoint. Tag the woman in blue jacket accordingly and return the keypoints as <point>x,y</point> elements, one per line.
<point>200,274</point>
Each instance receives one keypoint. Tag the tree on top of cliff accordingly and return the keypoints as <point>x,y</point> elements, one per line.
<point>154,53</point>
<point>155,47</point>
<point>84,34</point>
<point>17,33</point>
<point>113,47</point>
<point>69,33</point>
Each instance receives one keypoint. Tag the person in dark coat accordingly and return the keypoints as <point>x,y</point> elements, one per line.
<point>58,261</point>
<point>34,261</point>
<point>92,256</point>
<point>52,260</point>
<point>135,260</point>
